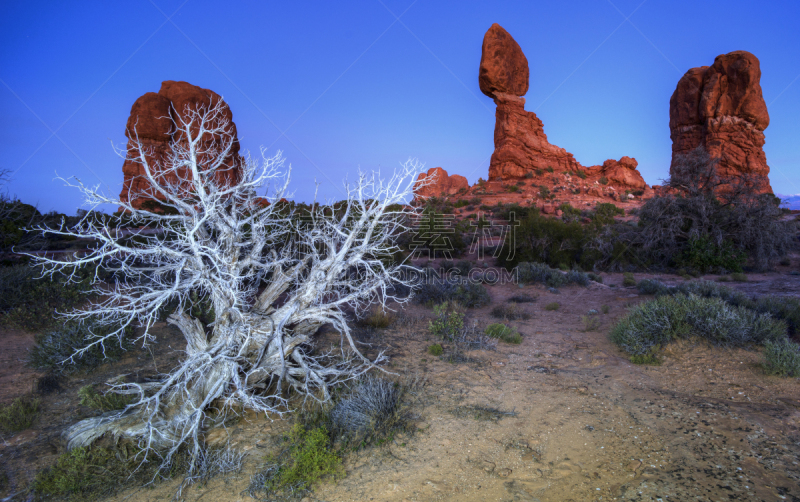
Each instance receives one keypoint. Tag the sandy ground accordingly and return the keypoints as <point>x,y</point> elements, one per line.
<point>573,418</point>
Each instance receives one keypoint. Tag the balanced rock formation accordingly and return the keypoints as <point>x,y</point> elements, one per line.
<point>721,108</point>
<point>520,144</point>
<point>151,121</point>
<point>437,183</point>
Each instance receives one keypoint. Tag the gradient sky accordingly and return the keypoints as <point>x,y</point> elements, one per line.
<point>351,85</point>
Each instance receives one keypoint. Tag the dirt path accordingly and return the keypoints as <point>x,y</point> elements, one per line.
<point>563,416</point>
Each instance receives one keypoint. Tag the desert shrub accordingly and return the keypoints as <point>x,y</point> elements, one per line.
<point>724,278</point>
<point>703,255</point>
<point>54,348</point>
<point>306,457</point>
<point>782,358</point>
<point>580,174</point>
<point>368,413</point>
<point>435,350</point>
<point>628,279</point>
<point>605,309</point>
<point>461,267</point>
<point>512,188</point>
<point>48,384</point>
<point>553,241</point>
<point>646,359</point>
<point>461,203</point>
<point>709,289</point>
<point>30,303</point>
<point>103,402</point>
<point>528,273</point>
<point>590,323</point>
<point>577,277</point>
<point>552,306</point>
<point>711,213</point>
<point>779,307</point>
<point>550,169</point>
<point>471,295</point>
<point>653,324</point>
<point>653,287</point>
<point>378,319</point>
<point>19,415</point>
<point>738,277</point>
<point>448,323</point>
<point>435,290</point>
<point>522,298</point>
<point>510,312</point>
<point>595,277</point>
<point>504,333</point>
<point>528,175</point>
<point>603,180</point>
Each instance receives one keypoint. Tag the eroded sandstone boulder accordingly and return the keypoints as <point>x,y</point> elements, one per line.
<point>721,108</point>
<point>151,121</point>
<point>437,183</point>
<point>504,67</point>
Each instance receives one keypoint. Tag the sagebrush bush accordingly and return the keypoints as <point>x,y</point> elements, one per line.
<point>529,273</point>
<point>54,348</point>
<point>628,279</point>
<point>552,306</point>
<point>370,411</point>
<point>782,358</point>
<point>650,325</point>
<point>19,415</point>
<point>435,350</point>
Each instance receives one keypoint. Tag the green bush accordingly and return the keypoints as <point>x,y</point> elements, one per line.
<point>550,169</point>
<point>628,279</point>
<point>653,287</point>
<point>448,323</point>
<point>54,348</point>
<point>307,458</point>
<point>552,306</point>
<point>19,415</point>
<point>504,333</point>
<point>782,358</point>
<point>435,350</point>
<point>30,303</point>
<point>605,309</point>
<point>581,174</point>
<point>603,180</point>
<point>103,402</point>
<point>738,277</point>
<point>703,255</point>
<point>651,325</point>
<point>590,323</point>
<point>95,472</point>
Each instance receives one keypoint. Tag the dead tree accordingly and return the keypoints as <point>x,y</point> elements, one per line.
<point>273,275</point>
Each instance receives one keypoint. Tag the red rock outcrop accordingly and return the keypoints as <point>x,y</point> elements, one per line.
<point>721,108</point>
<point>151,121</point>
<point>440,184</point>
<point>620,172</point>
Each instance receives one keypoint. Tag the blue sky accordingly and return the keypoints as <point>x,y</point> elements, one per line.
<point>352,86</point>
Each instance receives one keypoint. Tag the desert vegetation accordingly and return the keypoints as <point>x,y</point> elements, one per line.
<point>246,279</point>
